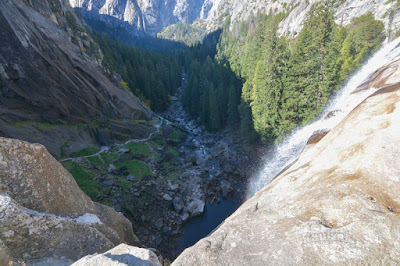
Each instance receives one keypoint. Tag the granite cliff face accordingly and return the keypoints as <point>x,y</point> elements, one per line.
<point>344,12</point>
<point>144,16</point>
<point>154,15</point>
<point>337,204</point>
<point>43,212</point>
<point>46,77</point>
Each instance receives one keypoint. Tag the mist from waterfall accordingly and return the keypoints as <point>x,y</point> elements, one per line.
<point>277,158</point>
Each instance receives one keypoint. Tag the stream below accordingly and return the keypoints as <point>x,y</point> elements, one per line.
<point>201,226</point>
<point>223,186</point>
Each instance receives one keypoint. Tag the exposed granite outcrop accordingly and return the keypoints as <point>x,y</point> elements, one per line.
<point>337,204</point>
<point>154,15</point>
<point>47,79</point>
<point>43,212</point>
<point>387,11</point>
<point>144,16</point>
<point>121,255</point>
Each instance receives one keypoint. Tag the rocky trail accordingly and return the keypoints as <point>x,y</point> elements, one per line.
<point>105,149</point>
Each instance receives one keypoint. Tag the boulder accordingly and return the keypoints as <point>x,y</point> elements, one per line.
<point>123,150</point>
<point>178,204</point>
<point>217,150</point>
<point>167,197</point>
<point>159,223</point>
<point>121,255</point>
<point>316,137</point>
<point>130,178</point>
<point>158,240</point>
<point>108,183</point>
<point>26,233</point>
<point>185,216</point>
<point>111,168</point>
<point>173,187</point>
<point>166,230</point>
<point>5,254</point>
<point>34,179</point>
<point>200,158</point>
<point>44,202</point>
<point>196,207</point>
<point>197,131</point>
<point>226,189</point>
<point>196,158</point>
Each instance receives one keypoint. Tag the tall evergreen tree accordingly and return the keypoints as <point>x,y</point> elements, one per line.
<point>214,116</point>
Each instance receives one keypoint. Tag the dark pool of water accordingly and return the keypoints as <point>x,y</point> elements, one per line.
<point>214,215</point>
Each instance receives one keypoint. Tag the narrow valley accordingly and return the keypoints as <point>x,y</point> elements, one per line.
<point>209,132</point>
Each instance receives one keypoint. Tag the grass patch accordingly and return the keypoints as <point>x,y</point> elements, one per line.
<point>85,152</point>
<point>48,126</point>
<point>84,179</point>
<point>174,176</point>
<point>38,125</point>
<point>157,140</point>
<point>173,151</point>
<point>109,157</point>
<point>139,148</point>
<point>176,135</point>
<point>63,149</point>
<point>136,168</point>
<point>167,166</point>
<point>95,160</point>
<point>125,184</point>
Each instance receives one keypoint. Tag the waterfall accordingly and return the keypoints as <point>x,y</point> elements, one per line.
<point>277,158</point>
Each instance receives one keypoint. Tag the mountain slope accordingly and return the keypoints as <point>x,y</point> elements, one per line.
<point>48,80</point>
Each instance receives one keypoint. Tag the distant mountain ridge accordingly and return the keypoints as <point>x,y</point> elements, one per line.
<point>150,17</point>
<point>345,11</point>
<point>144,16</point>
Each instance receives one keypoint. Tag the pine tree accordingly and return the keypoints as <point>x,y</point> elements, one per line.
<point>214,115</point>
<point>233,105</point>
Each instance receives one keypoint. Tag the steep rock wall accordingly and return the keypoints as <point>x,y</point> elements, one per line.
<point>154,15</point>
<point>344,12</point>
<point>45,78</point>
<point>144,16</point>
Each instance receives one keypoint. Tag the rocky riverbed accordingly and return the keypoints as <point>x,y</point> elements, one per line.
<point>166,180</point>
<point>217,168</point>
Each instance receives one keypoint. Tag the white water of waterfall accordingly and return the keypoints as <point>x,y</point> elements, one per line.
<point>342,104</point>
